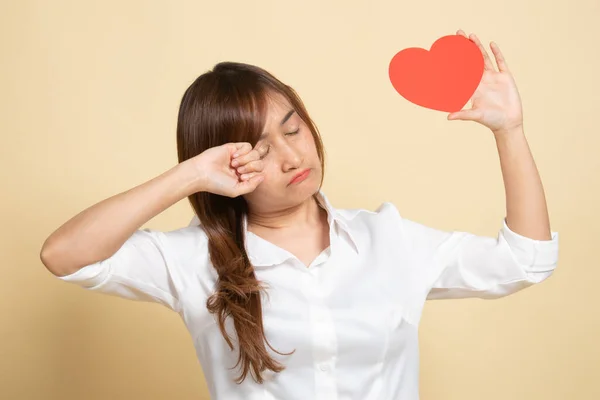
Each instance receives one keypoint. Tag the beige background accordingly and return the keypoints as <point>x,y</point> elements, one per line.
<point>90,92</point>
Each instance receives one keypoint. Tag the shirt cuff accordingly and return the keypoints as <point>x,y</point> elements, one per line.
<point>535,255</point>
<point>89,276</point>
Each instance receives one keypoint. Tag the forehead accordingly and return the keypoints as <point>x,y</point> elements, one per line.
<point>279,112</point>
<point>277,106</point>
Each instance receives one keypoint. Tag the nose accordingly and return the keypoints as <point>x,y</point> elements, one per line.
<point>292,159</point>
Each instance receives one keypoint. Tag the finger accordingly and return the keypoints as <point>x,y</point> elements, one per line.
<point>250,184</point>
<point>487,62</point>
<point>462,33</point>
<point>262,150</point>
<point>465,115</point>
<point>252,166</point>
<point>502,66</point>
<point>245,177</point>
<point>241,148</point>
<point>246,158</point>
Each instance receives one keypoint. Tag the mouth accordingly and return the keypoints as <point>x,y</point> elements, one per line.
<point>299,177</point>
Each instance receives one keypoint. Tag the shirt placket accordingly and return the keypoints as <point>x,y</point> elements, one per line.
<point>324,343</point>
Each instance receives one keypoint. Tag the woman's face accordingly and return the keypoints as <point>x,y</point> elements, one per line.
<point>287,148</point>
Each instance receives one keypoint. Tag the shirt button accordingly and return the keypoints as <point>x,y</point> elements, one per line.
<point>324,367</point>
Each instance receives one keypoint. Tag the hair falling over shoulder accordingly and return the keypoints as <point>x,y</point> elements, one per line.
<point>229,104</point>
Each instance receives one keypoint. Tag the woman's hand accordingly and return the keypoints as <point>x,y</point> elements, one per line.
<point>496,103</point>
<point>229,170</point>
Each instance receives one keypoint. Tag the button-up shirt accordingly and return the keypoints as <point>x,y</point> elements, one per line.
<point>352,316</point>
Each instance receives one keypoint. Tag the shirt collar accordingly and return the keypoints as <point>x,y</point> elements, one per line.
<point>263,253</point>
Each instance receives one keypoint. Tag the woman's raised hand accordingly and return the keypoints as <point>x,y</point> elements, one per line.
<point>229,170</point>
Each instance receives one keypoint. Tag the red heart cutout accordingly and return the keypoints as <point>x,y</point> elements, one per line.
<point>443,78</point>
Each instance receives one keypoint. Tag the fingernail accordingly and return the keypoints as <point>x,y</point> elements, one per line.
<point>235,163</point>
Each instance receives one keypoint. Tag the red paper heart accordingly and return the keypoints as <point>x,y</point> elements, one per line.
<point>443,78</point>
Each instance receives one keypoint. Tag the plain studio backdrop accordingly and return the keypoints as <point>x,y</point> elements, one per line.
<point>89,98</point>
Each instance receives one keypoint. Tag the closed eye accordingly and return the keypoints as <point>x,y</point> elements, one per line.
<point>269,146</point>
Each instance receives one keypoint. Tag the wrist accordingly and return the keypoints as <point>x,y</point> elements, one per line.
<point>192,179</point>
<point>509,131</point>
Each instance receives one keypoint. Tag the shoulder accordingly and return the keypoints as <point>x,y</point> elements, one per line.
<point>186,244</point>
<point>186,237</point>
<point>383,211</point>
<point>385,217</point>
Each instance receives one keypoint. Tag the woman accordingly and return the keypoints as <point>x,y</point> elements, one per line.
<point>319,302</point>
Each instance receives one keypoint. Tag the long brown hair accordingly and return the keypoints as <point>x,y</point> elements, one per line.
<point>229,104</point>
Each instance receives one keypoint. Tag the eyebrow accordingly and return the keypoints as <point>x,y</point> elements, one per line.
<point>283,121</point>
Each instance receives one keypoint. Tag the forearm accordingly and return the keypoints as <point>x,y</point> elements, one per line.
<point>100,230</point>
<point>526,209</point>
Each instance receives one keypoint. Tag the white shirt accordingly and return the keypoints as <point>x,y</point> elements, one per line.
<point>352,316</point>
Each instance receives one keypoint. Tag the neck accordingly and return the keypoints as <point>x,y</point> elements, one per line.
<point>307,214</point>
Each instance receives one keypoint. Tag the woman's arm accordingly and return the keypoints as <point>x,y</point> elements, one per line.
<point>100,230</point>
<point>526,211</point>
<point>497,105</point>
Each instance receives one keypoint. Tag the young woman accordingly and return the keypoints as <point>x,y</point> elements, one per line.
<point>318,302</point>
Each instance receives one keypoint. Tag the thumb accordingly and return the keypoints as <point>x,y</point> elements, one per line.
<point>465,115</point>
<point>250,185</point>
<point>239,147</point>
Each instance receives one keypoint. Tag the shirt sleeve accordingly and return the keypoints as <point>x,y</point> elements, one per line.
<point>465,265</point>
<point>143,269</point>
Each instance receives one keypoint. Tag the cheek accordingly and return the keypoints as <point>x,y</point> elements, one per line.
<point>308,142</point>
<point>268,173</point>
